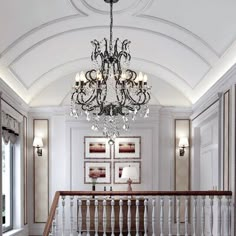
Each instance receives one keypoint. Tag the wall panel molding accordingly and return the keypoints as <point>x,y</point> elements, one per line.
<point>25,135</point>
<point>182,163</point>
<point>41,172</point>
<point>226,141</point>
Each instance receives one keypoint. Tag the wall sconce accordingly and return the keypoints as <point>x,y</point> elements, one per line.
<point>38,143</point>
<point>183,143</point>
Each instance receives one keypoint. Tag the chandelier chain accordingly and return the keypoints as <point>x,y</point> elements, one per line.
<point>111,26</point>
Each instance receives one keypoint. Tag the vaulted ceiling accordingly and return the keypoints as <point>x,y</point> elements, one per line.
<point>184,46</point>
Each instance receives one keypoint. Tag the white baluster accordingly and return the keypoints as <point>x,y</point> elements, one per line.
<point>57,220</point>
<point>211,215</point>
<point>153,216</point>
<point>112,217</point>
<point>194,215</point>
<point>63,215</point>
<point>145,217</point>
<point>178,215</point>
<point>170,217</point>
<point>54,226</point>
<point>96,218</point>
<point>129,218</point>
<point>162,217</point>
<point>88,218</point>
<point>121,217</point>
<point>203,217</point>
<point>227,218</point>
<point>71,214</point>
<point>137,218</point>
<point>219,216</point>
<point>79,218</point>
<point>104,217</point>
<point>186,216</point>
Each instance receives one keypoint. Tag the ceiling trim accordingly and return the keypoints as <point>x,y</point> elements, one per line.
<point>48,79</point>
<point>135,58</point>
<point>32,31</point>
<point>18,77</point>
<point>25,52</point>
<point>183,29</point>
<point>59,20</point>
<point>106,12</point>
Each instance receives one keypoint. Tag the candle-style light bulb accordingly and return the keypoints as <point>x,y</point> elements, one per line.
<point>77,77</point>
<point>140,76</point>
<point>99,75</point>
<point>145,78</point>
<point>82,76</point>
<point>123,76</point>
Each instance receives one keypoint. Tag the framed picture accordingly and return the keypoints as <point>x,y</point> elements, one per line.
<point>118,169</point>
<point>127,148</point>
<point>96,147</point>
<point>101,171</point>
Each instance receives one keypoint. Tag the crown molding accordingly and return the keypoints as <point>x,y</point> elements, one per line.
<point>223,84</point>
<point>12,98</point>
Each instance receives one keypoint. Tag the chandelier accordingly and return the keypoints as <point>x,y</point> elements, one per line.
<point>110,95</point>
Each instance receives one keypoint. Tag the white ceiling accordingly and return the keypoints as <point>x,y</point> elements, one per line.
<point>184,46</point>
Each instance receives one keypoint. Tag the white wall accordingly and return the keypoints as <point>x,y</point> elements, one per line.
<point>66,156</point>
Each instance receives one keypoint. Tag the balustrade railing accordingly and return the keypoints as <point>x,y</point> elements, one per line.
<point>198,213</point>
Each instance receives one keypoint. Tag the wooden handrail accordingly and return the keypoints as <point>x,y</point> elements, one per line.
<point>124,193</point>
<point>146,193</point>
<point>51,213</point>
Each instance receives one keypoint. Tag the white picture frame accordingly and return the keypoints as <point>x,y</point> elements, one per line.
<point>118,165</point>
<point>103,168</point>
<point>127,148</point>
<point>96,148</point>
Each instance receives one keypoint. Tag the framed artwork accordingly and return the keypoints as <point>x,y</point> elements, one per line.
<point>96,147</point>
<point>127,148</point>
<point>118,169</point>
<point>99,170</point>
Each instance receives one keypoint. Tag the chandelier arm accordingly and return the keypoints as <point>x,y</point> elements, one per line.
<point>129,108</point>
<point>90,79</point>
<point>84,102</point>
<point>116,46</point>
<point>137,102</point>
<point>122,93</point>
<point>106,53</point>
<point>132,78</point>
<point>124,96</point>
<point>99,98</point>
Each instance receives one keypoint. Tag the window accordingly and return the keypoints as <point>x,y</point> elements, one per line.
<point>7,186</point>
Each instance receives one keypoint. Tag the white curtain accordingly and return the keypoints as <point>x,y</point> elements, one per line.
<point>10,128</point>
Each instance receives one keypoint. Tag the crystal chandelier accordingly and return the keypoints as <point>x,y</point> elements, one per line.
<point>111,94</point>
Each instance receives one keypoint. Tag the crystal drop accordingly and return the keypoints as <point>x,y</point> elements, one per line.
<point>133,117</point>
<point>88,118</point>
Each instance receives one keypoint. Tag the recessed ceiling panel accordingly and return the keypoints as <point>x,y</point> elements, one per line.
<point>213,21</point>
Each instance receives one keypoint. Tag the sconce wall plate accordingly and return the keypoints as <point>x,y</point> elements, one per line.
<point>181,151</point>
<point>38,144</point>
<point>39,151</point>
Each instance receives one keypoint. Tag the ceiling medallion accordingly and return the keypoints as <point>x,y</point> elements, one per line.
<point>110,95</point>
